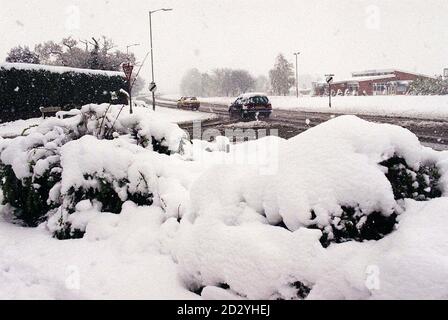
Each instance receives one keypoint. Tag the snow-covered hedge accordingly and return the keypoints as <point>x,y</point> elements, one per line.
<point>24,88</point>
<point>98,153</point>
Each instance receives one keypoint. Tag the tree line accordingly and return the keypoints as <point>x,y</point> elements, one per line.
<point>97,53</point>
<point>230,82</point>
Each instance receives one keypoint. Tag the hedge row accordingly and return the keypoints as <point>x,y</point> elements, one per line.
<point>23,91</point>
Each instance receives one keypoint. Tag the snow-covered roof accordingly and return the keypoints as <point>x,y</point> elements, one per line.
<point>359,79</point>
<point>57,69</point>
<point>378,72</point>
<point>367,78</point>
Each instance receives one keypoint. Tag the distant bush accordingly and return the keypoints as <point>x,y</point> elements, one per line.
<point>23,90</point>
<point>429,86</point>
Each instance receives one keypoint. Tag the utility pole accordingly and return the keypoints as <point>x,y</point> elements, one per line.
<point>152,56</point>
<point>297,72</point>
<point>329,79</point>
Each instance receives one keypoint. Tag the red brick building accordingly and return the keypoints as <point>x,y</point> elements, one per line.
<point>371,82</point>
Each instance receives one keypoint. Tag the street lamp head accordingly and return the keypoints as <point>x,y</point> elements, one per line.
<point>296,53</point>
<point>162,9</point>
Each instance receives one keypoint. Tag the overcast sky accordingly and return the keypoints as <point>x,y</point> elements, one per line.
<point>332,36</point>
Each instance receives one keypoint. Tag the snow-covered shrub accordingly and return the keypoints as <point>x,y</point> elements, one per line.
<point>29,169</point>
<point>143,127</point>
<point>106,171</point>
<point>98,153</point>
<point>341,181</point>
<point>285,234</point>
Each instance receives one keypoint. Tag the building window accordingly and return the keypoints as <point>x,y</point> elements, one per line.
<point>379,89</point>
<point>353,88</point>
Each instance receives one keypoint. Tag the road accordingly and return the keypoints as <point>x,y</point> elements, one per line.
<point>433,133</point>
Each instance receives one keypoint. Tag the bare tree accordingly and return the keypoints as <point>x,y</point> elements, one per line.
<point>22,54</point>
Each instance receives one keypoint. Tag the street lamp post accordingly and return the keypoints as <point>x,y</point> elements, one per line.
<point>297,72</point>
<point>152,53</point>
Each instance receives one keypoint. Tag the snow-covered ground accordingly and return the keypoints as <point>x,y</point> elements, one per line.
<point>180,116</point>
<point>243,224</point>
<point>427,107</point>
<point>11,129</point>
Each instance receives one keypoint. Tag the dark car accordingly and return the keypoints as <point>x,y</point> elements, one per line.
<point>191,103</point>
<point>251,106</point>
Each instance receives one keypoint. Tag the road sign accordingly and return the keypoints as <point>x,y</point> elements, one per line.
<point>329,79</point>
<point>127,68</point>
<point>152,87</point>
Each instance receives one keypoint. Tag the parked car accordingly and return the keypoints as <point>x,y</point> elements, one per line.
<point>249,105</point>
<point>191,103</point>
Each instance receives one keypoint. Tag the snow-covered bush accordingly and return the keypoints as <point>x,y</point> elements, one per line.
<point>95,154</point>
<point>339,182</point>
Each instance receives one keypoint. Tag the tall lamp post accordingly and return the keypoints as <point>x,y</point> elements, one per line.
<point>152,56</point>
<point>297,72</point>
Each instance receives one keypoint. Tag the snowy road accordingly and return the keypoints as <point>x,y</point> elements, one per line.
<point>433,133</point>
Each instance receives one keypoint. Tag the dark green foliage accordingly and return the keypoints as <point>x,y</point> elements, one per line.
<point>28,197</point>
<point>106,194</point>
<point>22,92</point>
<point>159,147</point>
<point>66,233</point>
<point>408,183</point>
<point>302,290</point>
<point>353,224</point>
